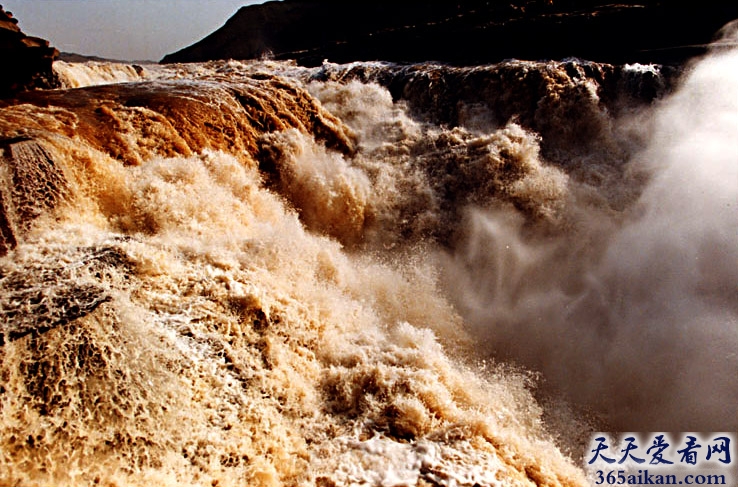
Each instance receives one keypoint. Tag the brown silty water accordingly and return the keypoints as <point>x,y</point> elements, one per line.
<point>259,274</point>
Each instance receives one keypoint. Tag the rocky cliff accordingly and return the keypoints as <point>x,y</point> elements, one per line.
<point>26,61</point>
<point>475,32</point>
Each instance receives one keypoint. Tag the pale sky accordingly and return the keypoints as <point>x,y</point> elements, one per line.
<point>122,29</point>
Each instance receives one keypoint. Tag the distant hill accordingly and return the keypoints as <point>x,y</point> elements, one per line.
<point>472,32</point>
<point>72,57</point>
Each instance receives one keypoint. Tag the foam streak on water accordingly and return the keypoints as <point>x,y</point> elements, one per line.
<point>258,274</point>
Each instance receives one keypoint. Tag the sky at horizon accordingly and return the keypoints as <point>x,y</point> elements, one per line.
<point>134,30</point>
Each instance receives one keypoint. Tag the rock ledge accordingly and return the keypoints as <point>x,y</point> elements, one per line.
<point>26,61</point>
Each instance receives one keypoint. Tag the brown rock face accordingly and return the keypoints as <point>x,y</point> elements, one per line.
<point>32,183</point>
<point>135,122</point>
<point>26,61</point>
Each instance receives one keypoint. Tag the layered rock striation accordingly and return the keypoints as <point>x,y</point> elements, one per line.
<point>474,32</point>
<point>26,61</point>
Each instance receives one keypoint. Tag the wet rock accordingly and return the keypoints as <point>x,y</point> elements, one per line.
<point>31,183</point>
<point>37,298</point>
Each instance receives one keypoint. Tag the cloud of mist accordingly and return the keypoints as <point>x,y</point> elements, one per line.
<point>635,316</point>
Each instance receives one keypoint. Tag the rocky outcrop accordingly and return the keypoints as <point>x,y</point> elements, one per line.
<point>31,183</point>
<point>25,61</point>
<point>34,301</point>
<point>474,32</point>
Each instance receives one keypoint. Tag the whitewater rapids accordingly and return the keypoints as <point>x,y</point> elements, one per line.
<point>259,274</point>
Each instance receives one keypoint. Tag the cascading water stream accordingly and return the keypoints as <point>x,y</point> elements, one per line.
<point>369,274</point>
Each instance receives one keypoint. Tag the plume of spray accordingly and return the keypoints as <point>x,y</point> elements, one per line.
<point>634,314</point>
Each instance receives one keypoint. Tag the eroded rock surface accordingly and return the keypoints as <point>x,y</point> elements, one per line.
<point>26,61</point>
<point>32,183</point>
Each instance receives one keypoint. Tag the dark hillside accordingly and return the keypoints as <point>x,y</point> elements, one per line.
<point>466,33</point>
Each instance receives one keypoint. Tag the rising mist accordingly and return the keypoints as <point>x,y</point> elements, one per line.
<point>633,314</point>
